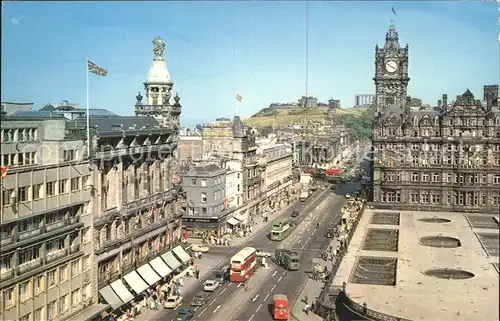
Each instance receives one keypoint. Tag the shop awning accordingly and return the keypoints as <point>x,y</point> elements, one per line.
<point>181,254</point>
<point>239,217</point>
<point>136,283</point>
<point>171,261</point>
<point>110,297</point>
<point>233,221</point>
<point>122,292</point>
<point>160,267</point>
<point>147,273</point>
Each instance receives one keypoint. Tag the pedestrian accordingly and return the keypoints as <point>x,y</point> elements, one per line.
<point>197,273</point>
<point>306,299</point>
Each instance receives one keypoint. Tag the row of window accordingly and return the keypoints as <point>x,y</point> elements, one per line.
<point>467,198</point>
<point>53,308</point>
<point>19,135</point>
<point>37,191</point>
<point>433,133</point>
<point>439,147</point>
<point>30,158</point>
<point>417,160</point>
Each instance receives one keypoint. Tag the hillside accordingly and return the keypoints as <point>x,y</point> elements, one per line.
<point>268,117</point>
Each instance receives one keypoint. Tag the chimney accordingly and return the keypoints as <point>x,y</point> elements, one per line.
<point>439,103</point>
<point>445,101</point>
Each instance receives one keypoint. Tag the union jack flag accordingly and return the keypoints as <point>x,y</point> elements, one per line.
<point>96,70</point>
<point>4,170</point>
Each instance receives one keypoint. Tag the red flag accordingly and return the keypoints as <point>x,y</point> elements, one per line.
<point>4,170</point>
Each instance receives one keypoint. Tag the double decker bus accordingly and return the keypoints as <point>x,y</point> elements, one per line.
<point>280,229</point>
<point>243,264</point>
<point>280,307</point>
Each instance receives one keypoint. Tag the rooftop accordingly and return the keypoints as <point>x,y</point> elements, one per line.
<point>424,266</point>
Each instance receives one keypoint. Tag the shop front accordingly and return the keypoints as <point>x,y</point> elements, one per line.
<point>203,228</point>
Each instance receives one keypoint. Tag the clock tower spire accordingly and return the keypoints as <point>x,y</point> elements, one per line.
<point>391,74</point>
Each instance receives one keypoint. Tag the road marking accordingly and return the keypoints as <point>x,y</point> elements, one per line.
<point>260,306</point>
<point>308,229</point>
<point>255,298</point>
<point>217,308</point>
<point>266,297</point>
<point>303,247</point>
<point>222,291</point>
<point>176,307</point>
<point>239,284</point>
<point>284,272</point>
<point>280,278</point>
<point>213,301</point>
<point>270,242</point>
<point>273,287</point>
<point>251,317</point>
<point>275,272</point>
<point>196,308</point>
<point>202,311</point>
<point>300,241</point>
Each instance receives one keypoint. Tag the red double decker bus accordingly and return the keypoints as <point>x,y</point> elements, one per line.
<point>243,264</point>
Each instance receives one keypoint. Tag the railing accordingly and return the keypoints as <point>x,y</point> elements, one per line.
<point>56,255</point>
<point>55,226</point>
<point>165,147</point>
<point>74,248</point>
<point>148,201</point>
<point>30,265</point>
<point>6,274</point>
<point>106,215</point>
<point>155,109</point>
<point>367,312</point>
<point>6,241</point>
<point>28,234</point>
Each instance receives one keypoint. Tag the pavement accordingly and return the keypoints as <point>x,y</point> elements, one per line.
<point>218,256</point>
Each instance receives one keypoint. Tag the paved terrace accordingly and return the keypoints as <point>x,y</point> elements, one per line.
<point>401,262</point>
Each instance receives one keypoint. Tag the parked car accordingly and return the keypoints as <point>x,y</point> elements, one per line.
<point>199,299</point>
<point>261,253</point>
<point>348,196</point>
<point>185,314</point>
<point>295,213</point>
<point>173,302</point>
<point>210,285</point>
<point>200,248</point>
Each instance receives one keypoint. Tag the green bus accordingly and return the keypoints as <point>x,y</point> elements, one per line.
<point>280,229</point>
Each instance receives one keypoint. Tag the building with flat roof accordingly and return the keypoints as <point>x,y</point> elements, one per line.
<point>420,266</point>
<point>46,209</point>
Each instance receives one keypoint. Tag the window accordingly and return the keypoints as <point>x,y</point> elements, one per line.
<point>37,191</point>
<point>203,210</point>
<point>63,273</point>
<point>69,155</point>
<point>25,290</point>
<point>414,160</point>
<point>203,197</point>
<point>203,182</point>
<point>7,196</point>
<point>51,278</point>
<point>75,297</point>
<point>51,188</point>
<point>9,297</point>
<point>193,181</point>
<point>86,291</point>
<point>414,197</point>
<point>424,197</point>
<point>425,177</point>
<point>86,263</point>
<point>75,268</point>
<point>435,177</point>
<point>62,186</point>
<point>75,184</point>
<point>30,158</point>
<point>86,181</point>
<point>26,317</point>
<point>52,310</point>
<point>20,159</point>
<point>496,179</point>
<point>390,196</point>
<point>39,284</point>
<point>23,193</point>
<point>28,255</point>
<point>38,314</point>
<point>495,200</point>
<point>435,198</point>
<point>415,177</point>
<point>64,303</point>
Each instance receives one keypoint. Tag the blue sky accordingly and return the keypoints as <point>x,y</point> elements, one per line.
<point>257,49</point>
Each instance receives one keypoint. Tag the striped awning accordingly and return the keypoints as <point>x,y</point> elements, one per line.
<point>160,267</point>
<point>181,254</point>
<point>136,283</point>
<point>171,261</point>
<point>110,297</point>
<point>122,291</point>
<point>148,274</point>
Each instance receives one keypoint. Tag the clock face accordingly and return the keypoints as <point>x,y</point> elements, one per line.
<point>391,66</point>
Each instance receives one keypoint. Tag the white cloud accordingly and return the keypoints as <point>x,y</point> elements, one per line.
<point>16,21</point>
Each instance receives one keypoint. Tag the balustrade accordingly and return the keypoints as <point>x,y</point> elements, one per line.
<point>30,265</point>
<point>51,256</point>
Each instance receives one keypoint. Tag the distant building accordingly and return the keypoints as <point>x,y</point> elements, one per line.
<point>190,148</point>
<point>9,108</point>
<point>333,104</point>
<point>72,111</point>
<point>308,102</point>
<point>362,100</point>
<point>205,188</point>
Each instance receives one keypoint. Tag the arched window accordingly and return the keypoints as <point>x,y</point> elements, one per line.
<point>415,121</point>
<point>436,121</point>
<point>497,121</point>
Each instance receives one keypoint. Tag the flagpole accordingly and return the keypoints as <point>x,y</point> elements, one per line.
<point>88,109</point>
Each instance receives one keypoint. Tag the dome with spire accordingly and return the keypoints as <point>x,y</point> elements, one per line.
<point>158,74</point>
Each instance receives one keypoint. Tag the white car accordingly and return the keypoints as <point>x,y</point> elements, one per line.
<point>348,196</point>
<point>173,302</point>
<point>263,254</point>
<point>210,285</point>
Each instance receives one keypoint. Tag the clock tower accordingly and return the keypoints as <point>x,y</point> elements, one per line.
<point>391,74</point>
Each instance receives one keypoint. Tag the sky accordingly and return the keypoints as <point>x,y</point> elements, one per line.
<point>263,50</point>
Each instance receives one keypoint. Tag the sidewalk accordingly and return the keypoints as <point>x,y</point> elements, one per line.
<point>311,289</point>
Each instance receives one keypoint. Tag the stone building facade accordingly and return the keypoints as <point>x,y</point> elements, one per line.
<point>437,159</point>
<point>46,208</point>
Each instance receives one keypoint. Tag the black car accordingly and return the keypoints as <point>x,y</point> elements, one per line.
<point>295,213</point>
